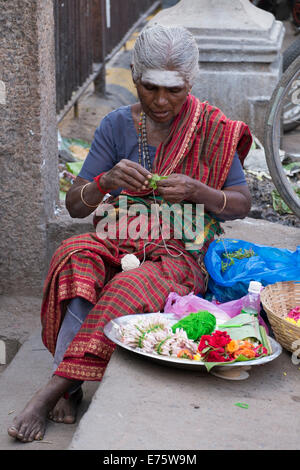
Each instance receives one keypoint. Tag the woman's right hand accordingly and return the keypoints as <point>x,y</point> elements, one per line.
<point>127,175</point>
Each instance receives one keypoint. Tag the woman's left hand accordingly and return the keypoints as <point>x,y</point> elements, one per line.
<point>176,188</point>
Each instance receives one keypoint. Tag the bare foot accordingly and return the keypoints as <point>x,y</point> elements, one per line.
<point>65,410</point>
<point>30,424</point>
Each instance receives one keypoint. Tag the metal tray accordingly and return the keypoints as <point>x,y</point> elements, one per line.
<point>111,331</point>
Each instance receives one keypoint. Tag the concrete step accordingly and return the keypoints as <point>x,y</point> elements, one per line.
<point>29,370</point>
<point>143,405</point>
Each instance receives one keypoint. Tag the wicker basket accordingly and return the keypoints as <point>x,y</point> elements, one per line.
<point>277,300</point>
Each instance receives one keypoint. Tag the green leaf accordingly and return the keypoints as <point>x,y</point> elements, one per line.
<point>154,179</point>
<point>265,340</point>
<point>242,405</point>
<point>62,195</point>
<point>278,203</point>
<point>80,142</point>
<point>74,167</point>
<point>242,358</point>
<point>290,168</point>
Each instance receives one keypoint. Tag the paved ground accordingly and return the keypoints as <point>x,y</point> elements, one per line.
<point>140,404</point>
<point>143,405</point>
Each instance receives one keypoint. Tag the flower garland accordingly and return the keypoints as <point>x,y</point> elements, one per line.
<point>219,347</point>
<point>156,336</point>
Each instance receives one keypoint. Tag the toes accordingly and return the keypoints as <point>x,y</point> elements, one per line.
<point>69,419</point>
<point>21,433</point>
<point>26,433</point>
<point>39,436</point>
<point>57,418</point>
<point>30,433</point>
<point>12,431</point>
<point>54,414</point>
<point>32,436</point>
<point>36,434</point>
<point>65,410</point>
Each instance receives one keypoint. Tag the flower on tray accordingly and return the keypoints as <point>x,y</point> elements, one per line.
<point>185,354</point>
<point>294,316</point>
<point>212,347</point>
<point>219,347</point>
<point>154,335</point>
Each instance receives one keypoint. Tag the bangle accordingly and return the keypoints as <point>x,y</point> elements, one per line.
<point>81,197</point>
<point>97,179</point>
<point>224,202</point>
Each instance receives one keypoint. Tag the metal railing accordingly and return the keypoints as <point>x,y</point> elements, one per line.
<point>87,34</point>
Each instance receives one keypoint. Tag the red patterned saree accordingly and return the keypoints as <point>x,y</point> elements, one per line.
<point>201,144</point>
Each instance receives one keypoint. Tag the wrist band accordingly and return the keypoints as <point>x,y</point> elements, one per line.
<point>81,197</point>
<point>97,179</point>
<point>224,203</point>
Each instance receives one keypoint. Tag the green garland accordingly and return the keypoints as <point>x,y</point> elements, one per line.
<point>197,324</point>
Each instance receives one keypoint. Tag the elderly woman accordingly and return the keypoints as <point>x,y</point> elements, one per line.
<point>168,132</point>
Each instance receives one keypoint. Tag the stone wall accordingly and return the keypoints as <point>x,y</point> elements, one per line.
<point>28,142</point>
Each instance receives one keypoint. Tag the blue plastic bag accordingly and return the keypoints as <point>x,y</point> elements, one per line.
<point>268,265</point>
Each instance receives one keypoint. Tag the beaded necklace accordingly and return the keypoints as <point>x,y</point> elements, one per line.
<point>144,153</point>
<point>143,144</point>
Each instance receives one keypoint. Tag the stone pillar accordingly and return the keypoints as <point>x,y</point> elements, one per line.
<point>28,143</point>
<point>240,59</point>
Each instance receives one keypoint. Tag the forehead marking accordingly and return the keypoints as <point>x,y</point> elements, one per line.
<point>167,78</point>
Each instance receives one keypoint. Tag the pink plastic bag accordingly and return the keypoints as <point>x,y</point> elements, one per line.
<point>234,307</point>
<point>181,306</point>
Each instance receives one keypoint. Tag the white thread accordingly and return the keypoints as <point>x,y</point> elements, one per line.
<point>163,240</point>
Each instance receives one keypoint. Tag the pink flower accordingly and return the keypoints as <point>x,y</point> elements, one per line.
<point>260,350</point>
<point>294,313</point>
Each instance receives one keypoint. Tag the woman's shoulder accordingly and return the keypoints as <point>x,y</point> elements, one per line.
<point>118,116</point>
<point>118,130</point>
<point>113,124</point>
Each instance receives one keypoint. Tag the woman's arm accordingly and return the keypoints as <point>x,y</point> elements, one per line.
<point>75,197</point>
<point>84,196</point>
<point>233,202</point>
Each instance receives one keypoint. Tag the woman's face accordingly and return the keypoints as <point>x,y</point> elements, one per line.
<point>162,94</point>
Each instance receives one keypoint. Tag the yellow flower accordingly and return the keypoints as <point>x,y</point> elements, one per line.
<point>232,346</point>
<point>291,320</point>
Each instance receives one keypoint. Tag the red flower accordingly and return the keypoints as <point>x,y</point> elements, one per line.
<point>204,342</point>
<point>260,350</point>
<point>215,356</point>
<point>212,347</point>
<point>220,338</point>
<point>216,340</point>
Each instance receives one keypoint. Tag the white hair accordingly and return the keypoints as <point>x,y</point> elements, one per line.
<point>166,48</point>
